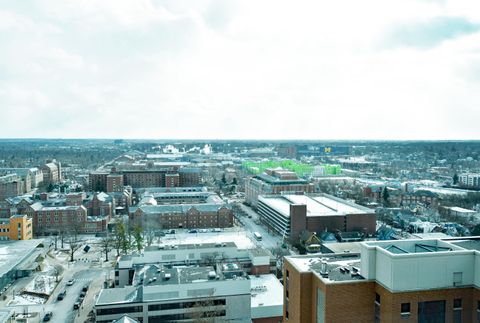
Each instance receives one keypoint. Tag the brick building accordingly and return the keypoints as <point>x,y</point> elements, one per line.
<point>185,215</point>
<point>114,183</point>
<point>164,175</point>
<point>52,172</point>
<point>274,181</point>
<point>10,185</point>
<point>388,281</point>
<point>292,214</point>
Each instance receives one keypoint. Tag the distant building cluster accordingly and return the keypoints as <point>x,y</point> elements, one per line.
<point>471,180</point>
<point>18,181</point>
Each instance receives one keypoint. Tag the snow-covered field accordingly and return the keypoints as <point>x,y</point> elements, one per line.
<point>26,299</point>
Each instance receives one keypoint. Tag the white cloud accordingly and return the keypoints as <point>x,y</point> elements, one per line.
<point>236,69</point>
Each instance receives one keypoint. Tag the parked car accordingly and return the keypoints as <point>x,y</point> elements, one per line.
<point>47,316</point>
<point>171,231</point>
<point>82,295</point>
<point>77,304</point>
<point>61,295</point>
<point>70,282</point>
<point>193,231</point>
<point>85,288</point>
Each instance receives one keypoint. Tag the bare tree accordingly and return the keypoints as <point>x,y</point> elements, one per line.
<point>73,240</point>
<point>278,252</point>
<point>150,226</point>
<point>106,244</point>
<point>57,271</point>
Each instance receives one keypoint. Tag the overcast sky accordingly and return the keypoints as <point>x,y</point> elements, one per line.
<point>383,69</point>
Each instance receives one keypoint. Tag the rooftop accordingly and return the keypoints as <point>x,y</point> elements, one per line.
<point>414,246</point>
<point>317,205</point>
<point>266,296</point>
<point>12,253</point>
<point>332,267</point>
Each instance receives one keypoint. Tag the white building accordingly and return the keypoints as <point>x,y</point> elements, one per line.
<point>163,294</point>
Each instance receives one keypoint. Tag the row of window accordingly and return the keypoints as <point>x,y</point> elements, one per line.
<point>187,316</point>
<point>173,306</point>
<point>119,310</point>
<point>428,309</point>
<point>162,307</point>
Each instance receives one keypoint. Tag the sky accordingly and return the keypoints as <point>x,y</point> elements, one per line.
<point>220,69</point>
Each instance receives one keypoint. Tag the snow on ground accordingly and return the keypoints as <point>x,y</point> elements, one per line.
<point>25,299</point>
<point>41,284</point>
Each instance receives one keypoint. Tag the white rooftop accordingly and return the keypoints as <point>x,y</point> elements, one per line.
<point>316,205</point>
<point>266,296</point>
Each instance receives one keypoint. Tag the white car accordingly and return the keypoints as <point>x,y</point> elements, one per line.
<point>70,282</point>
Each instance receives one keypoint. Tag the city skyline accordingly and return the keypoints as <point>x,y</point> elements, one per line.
<point>380,70</point>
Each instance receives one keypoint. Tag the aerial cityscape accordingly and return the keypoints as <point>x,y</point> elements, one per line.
<point>219,161</point>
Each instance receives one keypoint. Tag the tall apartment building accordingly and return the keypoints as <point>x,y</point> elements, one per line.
<point>17,227</point>
<point>291,214</point>
<point>52,172</point>
<point>388,281</point>
<point>97,181</point>
<point>469,180</point>
<point>114,183</point>
<point>274,181</point>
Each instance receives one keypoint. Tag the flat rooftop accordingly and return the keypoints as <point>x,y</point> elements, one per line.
<point>321,205</point>
<point>150,275</point>
<point>415,246</point>
<point>332,267</point>
<point>266,296</point>
<point>12,253</point>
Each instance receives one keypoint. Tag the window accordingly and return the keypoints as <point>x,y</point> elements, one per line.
<point>457,278</point>
<point>377,308</point>
<point>431,312</point>
<point>478,311</point>
<point>457,310</point>
<point>405,308</point>
<point>457,303</point>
